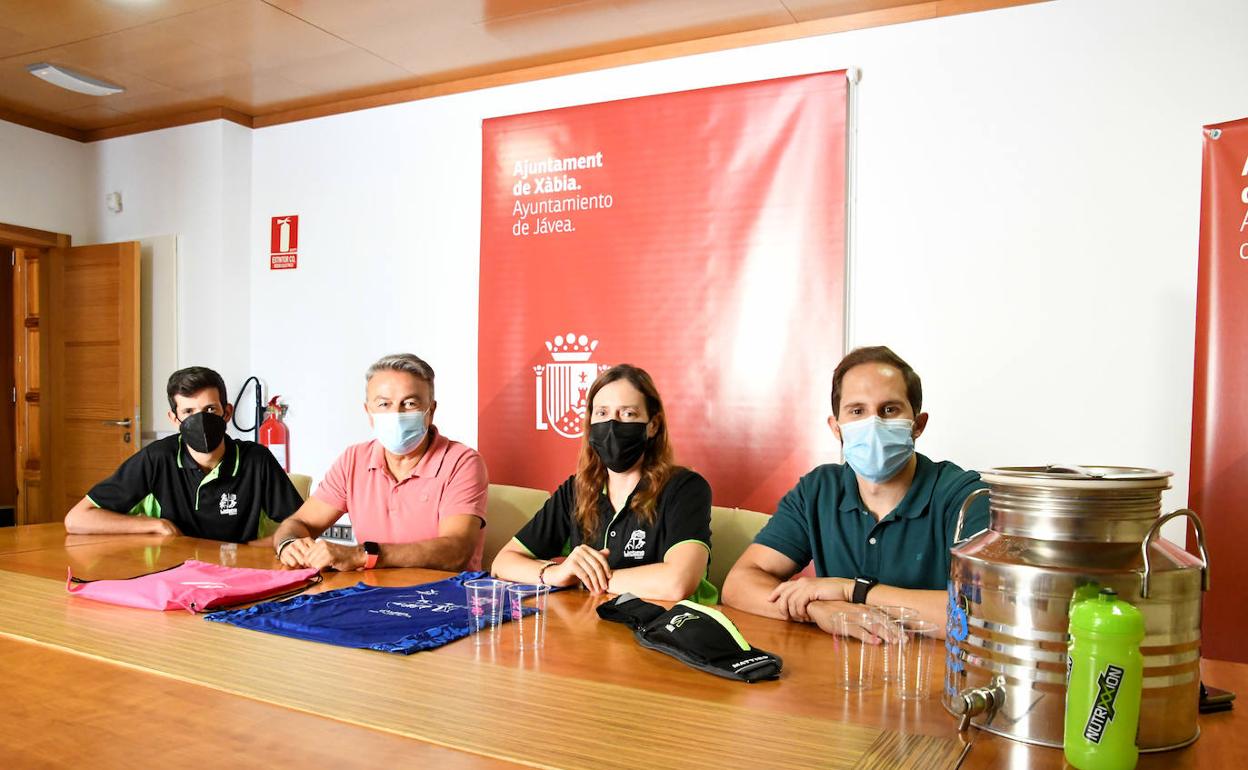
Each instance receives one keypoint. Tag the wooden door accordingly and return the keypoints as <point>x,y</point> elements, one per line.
<point>90,342</point>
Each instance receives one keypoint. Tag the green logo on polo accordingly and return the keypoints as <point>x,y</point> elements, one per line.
<point>1103,709</point>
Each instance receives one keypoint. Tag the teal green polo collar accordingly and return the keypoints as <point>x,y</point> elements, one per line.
<point>912,506</point>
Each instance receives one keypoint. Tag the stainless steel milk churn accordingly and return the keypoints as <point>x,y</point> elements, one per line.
<point>1055,529</point>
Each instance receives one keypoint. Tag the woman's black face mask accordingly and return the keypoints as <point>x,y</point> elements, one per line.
<point>619,444</point>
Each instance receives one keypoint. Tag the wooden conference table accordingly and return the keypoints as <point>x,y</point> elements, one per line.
<point>88,684</point>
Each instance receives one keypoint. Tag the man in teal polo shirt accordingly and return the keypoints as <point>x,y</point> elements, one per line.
<point>879,527</point>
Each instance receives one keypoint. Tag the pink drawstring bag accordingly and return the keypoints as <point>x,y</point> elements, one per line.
<point>195,586</point>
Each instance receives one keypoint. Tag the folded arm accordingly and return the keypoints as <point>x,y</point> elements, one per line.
<point>673,579</point>
<point>451,550</point>
<point>754,578</point>
<point>86,519</point>
<point>930,604</point>
<point>760,583</point>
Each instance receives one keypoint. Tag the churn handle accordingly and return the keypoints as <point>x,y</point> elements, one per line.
<point>957,533</point>
<point>1200,545</point>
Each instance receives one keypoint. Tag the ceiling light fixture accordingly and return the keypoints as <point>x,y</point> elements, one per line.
<point>72,81</point>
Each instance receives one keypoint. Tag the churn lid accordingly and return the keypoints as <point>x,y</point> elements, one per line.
<point>1107,615</point>
<point>1079,476</point>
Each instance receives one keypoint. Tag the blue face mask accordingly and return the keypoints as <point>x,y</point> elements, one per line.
<point>399,432</point>
<point>877,449</point>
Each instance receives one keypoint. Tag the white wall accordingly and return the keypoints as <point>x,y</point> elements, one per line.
<point>192,181</point>
<point>158,315</point>
<point>43,182</point>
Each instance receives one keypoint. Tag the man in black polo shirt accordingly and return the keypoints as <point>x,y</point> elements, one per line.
<point>878,527</point>
<point>198,483</point>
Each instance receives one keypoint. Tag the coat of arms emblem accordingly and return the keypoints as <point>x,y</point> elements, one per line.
<point>563,385</point>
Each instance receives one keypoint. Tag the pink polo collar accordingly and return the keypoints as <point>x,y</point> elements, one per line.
<point>430,463</point>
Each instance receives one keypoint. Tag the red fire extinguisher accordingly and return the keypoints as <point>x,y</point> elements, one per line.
<point>274,434</point>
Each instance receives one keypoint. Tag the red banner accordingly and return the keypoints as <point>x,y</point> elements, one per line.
<point>1219,479</point>
<point>698,235</point>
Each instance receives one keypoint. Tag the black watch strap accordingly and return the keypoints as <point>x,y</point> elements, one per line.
<point>861,586</point>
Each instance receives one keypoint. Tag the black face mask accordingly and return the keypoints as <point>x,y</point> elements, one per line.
<point>203,431</point>
<point>619,444</point>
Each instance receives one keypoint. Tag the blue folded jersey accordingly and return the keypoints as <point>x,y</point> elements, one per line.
<point>404,619</point>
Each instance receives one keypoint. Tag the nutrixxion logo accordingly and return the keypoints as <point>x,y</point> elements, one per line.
<point>1103,709</point>
<point>563,385</point>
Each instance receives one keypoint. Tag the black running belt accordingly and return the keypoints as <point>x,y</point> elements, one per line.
<point>694,634</point>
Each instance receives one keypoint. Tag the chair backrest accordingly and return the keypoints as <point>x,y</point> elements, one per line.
<point>507,509</point>
<point>732,530</point>
<point>303,484</point>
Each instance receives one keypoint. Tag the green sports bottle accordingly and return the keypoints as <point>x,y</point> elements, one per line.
<point>1106,676</point>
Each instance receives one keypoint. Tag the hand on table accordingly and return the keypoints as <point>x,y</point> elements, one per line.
<point>165,528</point>
<point>792,597</point>
<point>321,554</point>
<point>586,565</point>
<point>821,614</point>
<point>295,553</point>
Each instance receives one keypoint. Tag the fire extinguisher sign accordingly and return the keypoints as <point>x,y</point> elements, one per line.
<point>284,243</point>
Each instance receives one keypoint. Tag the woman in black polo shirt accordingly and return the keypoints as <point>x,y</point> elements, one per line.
<point>629,520</point>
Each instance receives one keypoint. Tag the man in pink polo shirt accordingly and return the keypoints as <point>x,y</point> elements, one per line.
<point>416,498</point>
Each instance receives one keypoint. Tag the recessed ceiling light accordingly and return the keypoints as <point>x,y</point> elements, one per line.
<point>72,81</point>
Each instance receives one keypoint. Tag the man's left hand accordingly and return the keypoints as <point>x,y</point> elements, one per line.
<point>822,613</point>
<point>344,558</point>
<point>791,597</point>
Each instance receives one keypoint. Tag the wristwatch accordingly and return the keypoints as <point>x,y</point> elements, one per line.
<point>371,553</point>
<point>861,586</point>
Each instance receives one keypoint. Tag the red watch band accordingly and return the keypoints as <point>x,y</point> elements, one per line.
<point>372,552</point>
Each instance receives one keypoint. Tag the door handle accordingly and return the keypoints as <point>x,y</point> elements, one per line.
<point>119,423</point>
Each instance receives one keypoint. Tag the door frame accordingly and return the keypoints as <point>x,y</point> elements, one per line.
<point>17,236</point>
<point>8,393</point>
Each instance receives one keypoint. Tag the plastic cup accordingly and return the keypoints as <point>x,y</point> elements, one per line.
<point>919,651</point>
<point>527,605</point>
<point>485,608</point>
<point>853,660</point>
<point>895,616</point>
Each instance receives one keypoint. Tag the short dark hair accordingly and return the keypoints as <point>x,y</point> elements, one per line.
<point>191,380</point>
<point>878,354</point>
